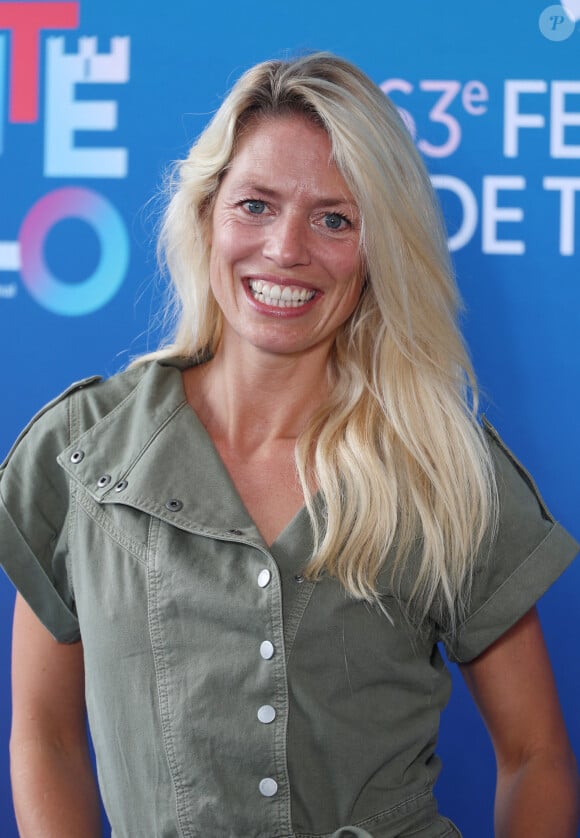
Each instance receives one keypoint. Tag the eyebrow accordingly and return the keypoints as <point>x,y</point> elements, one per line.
<point>325,200</point>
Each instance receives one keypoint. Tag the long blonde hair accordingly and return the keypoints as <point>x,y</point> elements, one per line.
<point>399,457</point>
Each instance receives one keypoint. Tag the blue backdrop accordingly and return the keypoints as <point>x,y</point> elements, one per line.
<point>97,96</point>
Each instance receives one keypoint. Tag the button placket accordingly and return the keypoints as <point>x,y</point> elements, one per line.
<point>266,714</point>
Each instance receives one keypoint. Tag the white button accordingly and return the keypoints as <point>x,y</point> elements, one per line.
<point>264,577</point>
<point>268,787</point>
<point>266,714</point>
<point>266,650</point>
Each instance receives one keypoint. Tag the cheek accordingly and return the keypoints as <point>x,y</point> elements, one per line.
<point>220,256</point>
<point>353,286</point>
<point>218,277</point>
<point>353,299</point>
<point>230,244</point>
<point>352,272</point>
<point>344,263</point>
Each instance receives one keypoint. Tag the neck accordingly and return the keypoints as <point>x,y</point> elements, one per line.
<point>259,399</point>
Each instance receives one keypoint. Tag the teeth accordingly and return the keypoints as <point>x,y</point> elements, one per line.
<point>274,295</point>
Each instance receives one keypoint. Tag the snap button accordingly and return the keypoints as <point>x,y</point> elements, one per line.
<point>264,577</point>
<point>267,650</point>
<point>77,456</point>
<point>299,578</point>
<point>266,714</point>
<point>235,532</point>
<point>268,787</point>
<point>174,505</point>
<point>122,484</point>
<point>103,481</point>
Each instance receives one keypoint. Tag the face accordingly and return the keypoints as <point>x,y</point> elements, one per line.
<point>285,265</point>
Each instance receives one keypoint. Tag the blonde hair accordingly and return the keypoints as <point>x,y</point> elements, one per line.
<point>399,457</point>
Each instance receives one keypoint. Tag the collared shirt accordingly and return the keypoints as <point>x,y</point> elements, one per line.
<point>226,694</point>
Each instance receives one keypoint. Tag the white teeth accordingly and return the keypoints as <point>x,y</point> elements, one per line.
<point>274,295</point>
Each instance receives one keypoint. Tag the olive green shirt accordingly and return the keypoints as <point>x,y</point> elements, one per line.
<point>226,694</point>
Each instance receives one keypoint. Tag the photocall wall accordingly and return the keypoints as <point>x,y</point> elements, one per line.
<point>98,97</point>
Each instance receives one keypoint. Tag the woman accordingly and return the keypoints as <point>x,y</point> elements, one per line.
<point>250,543</point>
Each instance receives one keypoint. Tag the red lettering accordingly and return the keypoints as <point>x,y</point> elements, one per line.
<point>25,21</point>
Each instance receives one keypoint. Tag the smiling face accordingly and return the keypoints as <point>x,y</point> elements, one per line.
<point>285,264</point>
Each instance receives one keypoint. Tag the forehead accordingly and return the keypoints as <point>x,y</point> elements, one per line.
<point>272,128</point>
<point>287,151</point>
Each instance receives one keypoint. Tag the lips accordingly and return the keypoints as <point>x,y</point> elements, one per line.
<point>280,296</point>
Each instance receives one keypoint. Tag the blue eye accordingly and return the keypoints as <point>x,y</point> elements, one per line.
<point>334,220</point>
<point>255,207</point>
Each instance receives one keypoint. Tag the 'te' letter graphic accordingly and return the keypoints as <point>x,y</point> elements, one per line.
<point>66,116</point>
<point>25,22</point>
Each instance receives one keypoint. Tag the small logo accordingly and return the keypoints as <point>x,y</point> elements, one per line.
<point>556,24</point>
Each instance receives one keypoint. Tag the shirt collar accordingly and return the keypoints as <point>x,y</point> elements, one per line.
<point>151,452</point>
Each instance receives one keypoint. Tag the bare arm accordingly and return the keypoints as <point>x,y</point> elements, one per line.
<point>513,687</point>
<point>55,793</point>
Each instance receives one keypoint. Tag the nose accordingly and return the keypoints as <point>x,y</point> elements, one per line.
<point>286,241</point>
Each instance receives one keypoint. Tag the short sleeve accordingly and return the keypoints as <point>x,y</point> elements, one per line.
<point>528,554</point>
<point>34,507</point>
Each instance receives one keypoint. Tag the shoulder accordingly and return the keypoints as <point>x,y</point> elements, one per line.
<point>88,405</point>
<point>85,403</point>
<point>518,494</point>
<point>31,464</point>
<point>527,533</point>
